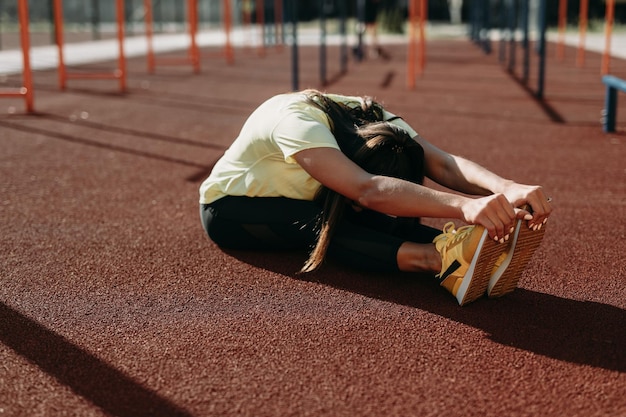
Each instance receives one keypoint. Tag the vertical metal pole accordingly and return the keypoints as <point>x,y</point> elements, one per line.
<point>120,39</point>
<point>128,12</point>
<point>560,49</point>
<point>228,16</point>
<point>343,52</point>
<point>278,23</point>
<point>149,32</point>
<point>192,12</point>
<point>606,55</point>
<point>295,82</point>
<point>260,21</point>
<point>95,19</point>
<point>158,14</point>
<point>525,42</point>
<point>178,13</point>
<point>52,22</point>
<point>582,28</point>
<point>199,10</point>
<point>512,31</point>
<point>360,49</point>
<point>58,32</point>
<point>25,40</point>
<point>610,107</point>
<point>482,11</point>
<point>423,18</point>
<point>542,47</point>
<point>473,21</point>
<point>322,4</point>
<point>501,24</point>
<point>412,44</point>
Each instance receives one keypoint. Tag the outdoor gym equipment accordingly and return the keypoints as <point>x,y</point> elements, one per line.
<point>260,22</point>
<point>26,91</point>
<point>613,85</point>
<point>295,68</point>
<point>193,57</point>
<point>326,7</point>
<point>609,17</point>
<point>416,57</point>
<point>481,25</point>
<point>582,31</point>
<point>118,74</point>
<point>582,22</point>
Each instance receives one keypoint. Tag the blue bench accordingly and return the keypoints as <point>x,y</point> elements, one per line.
<point>610,101</point>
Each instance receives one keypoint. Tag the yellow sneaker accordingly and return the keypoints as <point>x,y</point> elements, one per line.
<point>468,257</point>
<point>509,267</point>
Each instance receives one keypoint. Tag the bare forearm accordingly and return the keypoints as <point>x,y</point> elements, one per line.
<point>406,199</point>
<point>470,178</point>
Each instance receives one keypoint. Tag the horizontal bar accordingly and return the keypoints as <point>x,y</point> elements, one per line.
<point>13,92</point>
<point>614,82</point>
<point>92,76</point>
<point>173,61</point>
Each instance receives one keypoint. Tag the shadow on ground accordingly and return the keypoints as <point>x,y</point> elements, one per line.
<point>100,383</point>
<point>582,332</point>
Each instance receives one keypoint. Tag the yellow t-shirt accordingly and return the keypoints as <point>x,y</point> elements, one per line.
<point>260,161</point>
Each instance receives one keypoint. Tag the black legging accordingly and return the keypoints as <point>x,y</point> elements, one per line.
<point>365,239</point>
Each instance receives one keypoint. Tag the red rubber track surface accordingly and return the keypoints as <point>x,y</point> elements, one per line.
<point>113,302</point>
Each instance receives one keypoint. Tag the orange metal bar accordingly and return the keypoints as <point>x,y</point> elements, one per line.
<point>193,54</point>
<point>58,34</point>
<point>227,16</point>
<point>412,44</point>
<point>119,73</point>
<point>94,75</point>
<point>13,92</point>
<point>26,91</point>
<point>228,50</point>
<point>606,56</point>
<point>247,6</point>
<point>416,57</point>
<point>25,39</point>
<point>423,17</point>
<point>149,22</point>
<point>560,50</point>
<point>192,6</point>
<point>584,11</point>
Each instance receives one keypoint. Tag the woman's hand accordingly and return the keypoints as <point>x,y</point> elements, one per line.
<point>535,197</point>
<point>494,212</point>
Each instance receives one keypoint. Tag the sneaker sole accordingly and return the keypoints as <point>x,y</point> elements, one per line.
<point>476,279</point>
<point>525,242</point>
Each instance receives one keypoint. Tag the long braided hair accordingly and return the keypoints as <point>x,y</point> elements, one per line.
<point>376,145</point>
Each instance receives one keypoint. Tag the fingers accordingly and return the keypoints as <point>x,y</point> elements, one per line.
<point>540,208</point>
<point>523,213</point>
<point>537,221</point>
<point>506,217</point>
<point>498,217</point>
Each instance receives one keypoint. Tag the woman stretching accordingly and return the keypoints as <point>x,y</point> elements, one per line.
<point>343,177</point>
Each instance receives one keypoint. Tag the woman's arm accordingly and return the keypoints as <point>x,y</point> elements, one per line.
<point>403,198</point>
<point>465,176</point>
